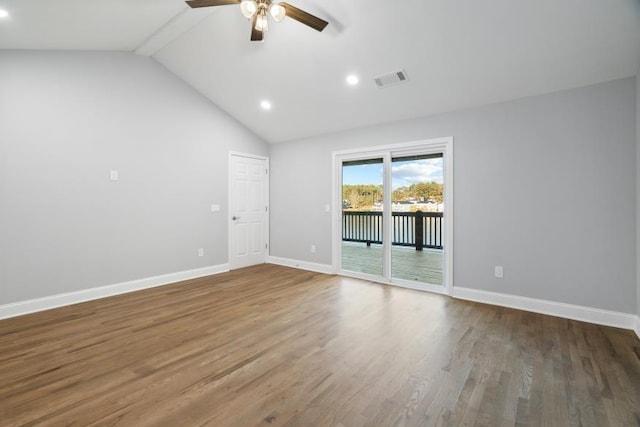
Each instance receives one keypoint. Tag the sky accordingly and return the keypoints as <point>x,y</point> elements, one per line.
<point>403,173</point>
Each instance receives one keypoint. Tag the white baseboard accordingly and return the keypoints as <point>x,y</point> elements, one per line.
<point>60,300</point>
<point>304,265</point>
<point>637,328</point>
<point>552,308</point>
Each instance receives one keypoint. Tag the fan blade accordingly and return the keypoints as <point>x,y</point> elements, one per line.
<point>255,34</point>
<point>304,17</point>
<point>207,3</point>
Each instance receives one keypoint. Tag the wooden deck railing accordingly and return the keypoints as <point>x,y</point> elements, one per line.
<point>417,229</point>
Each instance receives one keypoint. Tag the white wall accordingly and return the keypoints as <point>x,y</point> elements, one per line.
<point>544,186</point>
<point>66,119</point>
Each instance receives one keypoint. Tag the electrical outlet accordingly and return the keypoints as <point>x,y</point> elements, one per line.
<point>113,175</point>
<point>201,252</point>
<point>499,272</point>
<point>313,249</point>
<point>215,208</point>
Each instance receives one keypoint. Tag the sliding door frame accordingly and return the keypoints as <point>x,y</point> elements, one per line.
<point>387,153</point>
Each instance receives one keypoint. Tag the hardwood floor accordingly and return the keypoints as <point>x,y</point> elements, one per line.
<point>273,346</point>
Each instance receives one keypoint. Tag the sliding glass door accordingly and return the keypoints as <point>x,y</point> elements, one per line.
<point>393,218</point>
<point>362,223</point>
<point>417,218</point>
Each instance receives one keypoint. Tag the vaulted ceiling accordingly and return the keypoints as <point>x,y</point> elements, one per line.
<point>457,54</point>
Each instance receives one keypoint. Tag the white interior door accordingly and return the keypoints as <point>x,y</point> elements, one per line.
<point>248,223</point>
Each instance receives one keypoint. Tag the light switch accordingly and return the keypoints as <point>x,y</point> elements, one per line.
<point>327,208</point>
<point>215,208</point>
<point>113,175</point>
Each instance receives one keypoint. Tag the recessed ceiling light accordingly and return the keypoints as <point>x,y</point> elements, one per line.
<point>266,105</point>
<point>3,13</point>
<point>352,79</point>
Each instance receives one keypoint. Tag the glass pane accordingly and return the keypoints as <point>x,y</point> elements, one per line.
<point>417,218</point>
<point>362,201</point>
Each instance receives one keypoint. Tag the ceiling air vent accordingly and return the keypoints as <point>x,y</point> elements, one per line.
<point>391,79</point>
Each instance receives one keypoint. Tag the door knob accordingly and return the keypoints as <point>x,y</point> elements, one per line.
<point>235,217</point>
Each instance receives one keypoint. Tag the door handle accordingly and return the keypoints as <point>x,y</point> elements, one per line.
<point>235,217</point>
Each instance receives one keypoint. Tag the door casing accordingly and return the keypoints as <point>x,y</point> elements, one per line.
<point>230,221</point>
<point>386,152</point>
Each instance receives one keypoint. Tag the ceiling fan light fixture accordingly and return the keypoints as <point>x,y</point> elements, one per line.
<point>258,11</point>
<point>248,8</point>
<point>277,12</point>
<point>262,24</point>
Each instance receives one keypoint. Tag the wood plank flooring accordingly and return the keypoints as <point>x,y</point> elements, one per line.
<point>275,346</point>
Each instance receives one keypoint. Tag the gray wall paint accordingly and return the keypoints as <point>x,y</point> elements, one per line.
<point>544,186</point>
<point>66,119</point>
<point>638,192</point>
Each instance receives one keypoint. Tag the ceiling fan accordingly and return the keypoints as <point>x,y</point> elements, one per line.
<point>257,11</point>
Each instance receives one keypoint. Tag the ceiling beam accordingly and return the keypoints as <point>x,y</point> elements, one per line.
<point>184,21</point>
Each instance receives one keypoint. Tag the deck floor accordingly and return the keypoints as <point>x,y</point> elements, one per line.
<point>407,263</point>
